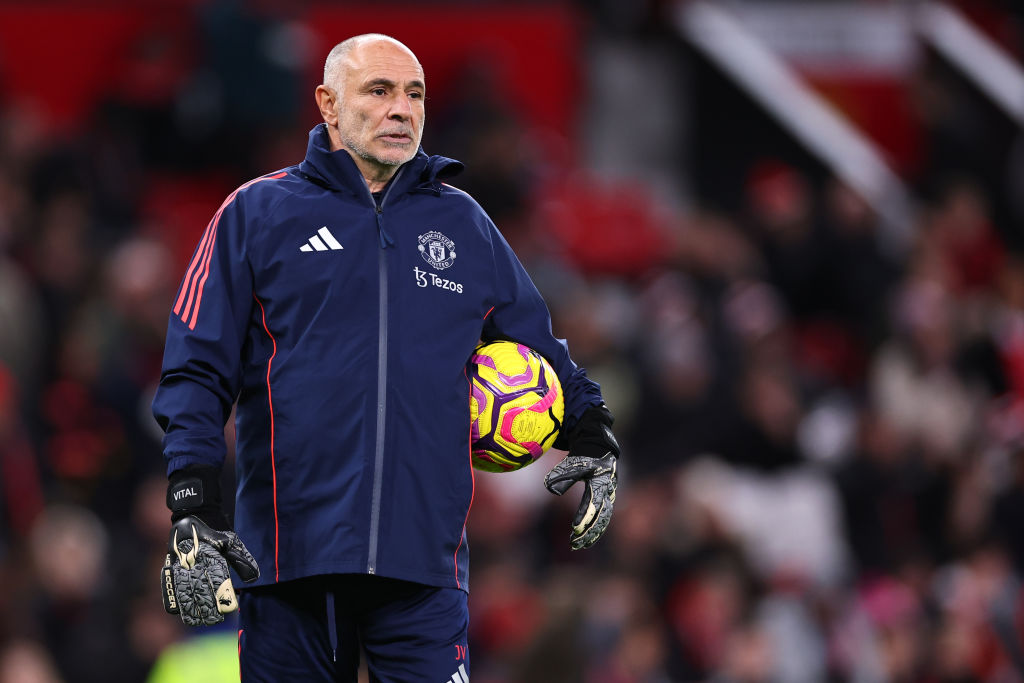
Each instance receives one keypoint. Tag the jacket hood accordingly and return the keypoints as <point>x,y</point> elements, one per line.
<point>337,171</point>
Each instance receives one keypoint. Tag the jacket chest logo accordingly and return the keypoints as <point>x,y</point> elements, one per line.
<point>436,249</point>
<point>315,243</point>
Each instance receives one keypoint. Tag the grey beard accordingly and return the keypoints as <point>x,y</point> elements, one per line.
<point>364,153</point>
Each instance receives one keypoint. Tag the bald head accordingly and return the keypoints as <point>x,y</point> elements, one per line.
<point>371,101</point>
<point>347,51</point>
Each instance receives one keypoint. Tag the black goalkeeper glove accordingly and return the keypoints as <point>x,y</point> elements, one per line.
<point>592,459</point>
<point>195,580</point>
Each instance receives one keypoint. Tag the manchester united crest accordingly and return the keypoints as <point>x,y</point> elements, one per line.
<point>436,249</point>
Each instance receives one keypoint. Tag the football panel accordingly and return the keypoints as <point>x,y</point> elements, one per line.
<point>506,365</point>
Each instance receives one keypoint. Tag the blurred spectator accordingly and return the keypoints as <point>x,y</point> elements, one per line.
<point>477,127</point>
<point>21,491</point>
<point>25,661</point>
<point>894,504</point>
<point>862,273</point>
<point>675,416</point>
<point>782,224</point>
<point>964,235</point>
<point>250,88</point>
<point>1008,513</point>
<point>914,380</point>
<point>79,604</point>
<point>21,340</point>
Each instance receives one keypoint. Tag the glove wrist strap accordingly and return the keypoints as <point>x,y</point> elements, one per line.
<point>195,491</point>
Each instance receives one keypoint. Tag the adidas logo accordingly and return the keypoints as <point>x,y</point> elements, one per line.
<point>459,676</point>
<point>317,242</point>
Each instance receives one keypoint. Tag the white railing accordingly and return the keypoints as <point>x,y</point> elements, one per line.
<point>851,156</point>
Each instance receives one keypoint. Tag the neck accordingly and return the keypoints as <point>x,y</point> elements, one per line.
<point>377,182</point>
<point>375,174</point>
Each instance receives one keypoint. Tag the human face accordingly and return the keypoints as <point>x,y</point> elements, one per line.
<point>379,108</point>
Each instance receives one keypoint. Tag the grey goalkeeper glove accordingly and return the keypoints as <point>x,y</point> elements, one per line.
<point>195,580</point>
<point>592,459</point>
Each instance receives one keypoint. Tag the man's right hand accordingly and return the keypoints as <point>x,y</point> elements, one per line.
<point>195,580</point>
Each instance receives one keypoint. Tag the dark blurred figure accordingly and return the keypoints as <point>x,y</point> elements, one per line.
<point>1008,513</point>
<point>21,488</point>
<point>962,231</point>
<point>248,91</point>
<point>796,249</point>
<point>769,409</point>
<point>675,416</point>
<point>478,127</point>
<point>895,504</point>
<point>862,273</point>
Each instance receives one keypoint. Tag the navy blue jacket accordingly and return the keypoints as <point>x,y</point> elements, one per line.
<point>342,329</point>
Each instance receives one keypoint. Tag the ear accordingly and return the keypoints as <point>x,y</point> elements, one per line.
<point>326,100</point>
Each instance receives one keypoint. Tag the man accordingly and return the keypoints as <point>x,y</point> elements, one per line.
<point>313,302</point>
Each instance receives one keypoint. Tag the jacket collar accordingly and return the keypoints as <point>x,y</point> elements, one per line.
<point>337,171</point>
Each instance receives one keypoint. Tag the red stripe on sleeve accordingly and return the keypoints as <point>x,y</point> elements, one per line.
<point>192,288</point>
<point>202,280</point>
<point>196,258</point>
<point>204,262</point>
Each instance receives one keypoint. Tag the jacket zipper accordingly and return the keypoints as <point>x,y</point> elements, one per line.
<point>382,375</point>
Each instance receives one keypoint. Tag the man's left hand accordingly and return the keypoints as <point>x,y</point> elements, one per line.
<point>595,511</point>
<point>592,459</point>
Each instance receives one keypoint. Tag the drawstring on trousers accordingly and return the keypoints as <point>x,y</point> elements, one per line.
<point>332,626</point>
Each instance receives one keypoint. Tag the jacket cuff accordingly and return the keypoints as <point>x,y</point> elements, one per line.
<point>594,425</point>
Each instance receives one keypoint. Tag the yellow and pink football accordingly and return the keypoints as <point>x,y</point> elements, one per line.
<point>515,405</point>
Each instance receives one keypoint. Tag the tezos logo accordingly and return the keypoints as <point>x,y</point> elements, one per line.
<point>436,280</point>
<point>436,249</point>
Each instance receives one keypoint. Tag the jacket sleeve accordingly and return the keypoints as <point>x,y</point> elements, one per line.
<point>201,372</point>
<point>520,314</point>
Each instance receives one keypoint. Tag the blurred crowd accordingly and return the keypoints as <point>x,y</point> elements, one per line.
<point>823,438</point>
